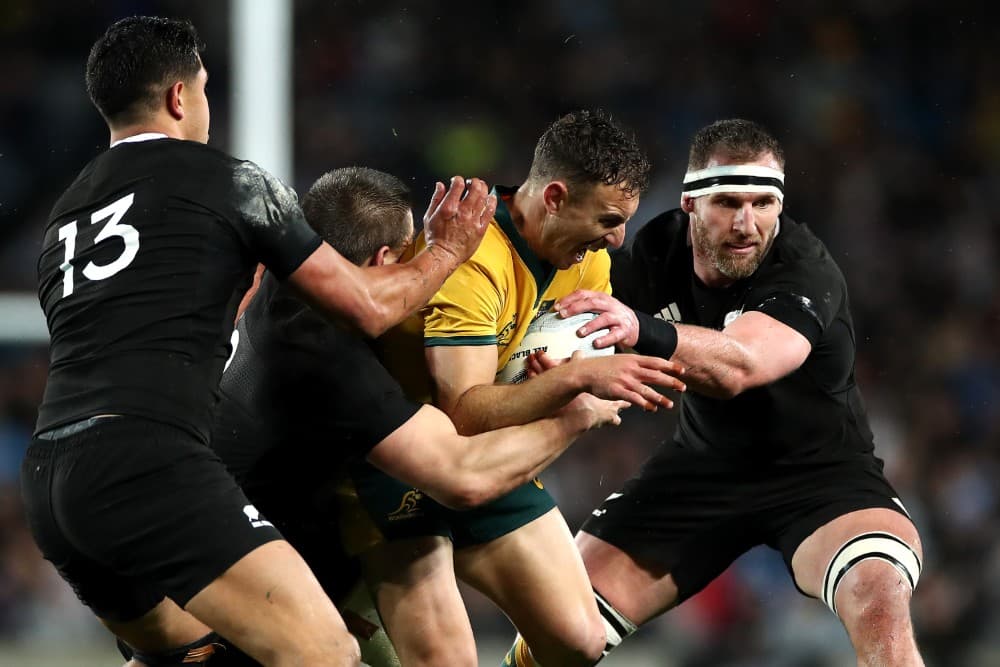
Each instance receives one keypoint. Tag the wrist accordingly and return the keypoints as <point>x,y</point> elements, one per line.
<point>440,258</point>
<point>576,420</point>
<point>656,337</point>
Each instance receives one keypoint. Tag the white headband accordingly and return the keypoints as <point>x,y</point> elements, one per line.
<point>735,178</point>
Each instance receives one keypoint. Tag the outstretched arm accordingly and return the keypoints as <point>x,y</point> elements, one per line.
<point>754,350</point>
<point>462,472</point>
<point>463,377</point>
<point>373,299</point>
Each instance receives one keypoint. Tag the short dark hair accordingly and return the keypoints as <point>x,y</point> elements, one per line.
<point>358,210</point>
<point>134,59</point>
<point>736,138</point>
<point>589,147</point>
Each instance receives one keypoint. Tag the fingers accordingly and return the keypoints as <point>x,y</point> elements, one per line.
<point>489,210</point>
<point>474,196</point>
<point>578,302</point>
<point>614,411</point>
<point>465,198</point>
<point>636,398</point>
<point>603,320</point>
<point>543,361</point>
<point>435,199</point>
<point>448,204</point>
<point>613,337</point>
<point>648,398</point>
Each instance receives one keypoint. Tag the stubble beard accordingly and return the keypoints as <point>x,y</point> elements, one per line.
<point>734,267</point>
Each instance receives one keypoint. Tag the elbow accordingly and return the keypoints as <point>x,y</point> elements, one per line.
<point>726,383</point>
<point>372,319</point>
<point>466,490</point>
<point>464,496</point>
<point>730,388</point>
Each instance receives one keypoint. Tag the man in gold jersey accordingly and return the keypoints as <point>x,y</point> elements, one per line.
<point>548,238</point>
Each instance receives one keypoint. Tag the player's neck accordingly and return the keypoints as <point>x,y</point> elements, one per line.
<point>150,126</point>
<point>527,212</point>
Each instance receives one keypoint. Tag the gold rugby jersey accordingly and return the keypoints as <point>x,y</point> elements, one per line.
<point>489,300</point>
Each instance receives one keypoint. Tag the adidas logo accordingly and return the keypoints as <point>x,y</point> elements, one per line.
<point>670,314</point>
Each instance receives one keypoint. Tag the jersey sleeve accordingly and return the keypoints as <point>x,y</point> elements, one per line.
<point>805,295</point>
<point>270,220</point>
<point>466,309</point>
<point>351,397</point>
<point>375,407</point>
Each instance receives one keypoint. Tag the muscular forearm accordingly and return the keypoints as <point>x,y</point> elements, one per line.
<point>486,466</point>
<point>393,292</point>
<point>715,364</point>
<point>487,407</point>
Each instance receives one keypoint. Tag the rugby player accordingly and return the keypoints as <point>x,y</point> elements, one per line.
<point>548,238</point>
<point>302,398</point>
<point>144,260</point>
<point>773,445</point>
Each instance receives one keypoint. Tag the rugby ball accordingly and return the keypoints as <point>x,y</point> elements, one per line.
<point>557,337</point>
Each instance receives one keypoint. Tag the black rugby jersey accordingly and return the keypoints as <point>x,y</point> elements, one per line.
<point>300,397</point>
<point>813,414</point>
<point>144,261</point>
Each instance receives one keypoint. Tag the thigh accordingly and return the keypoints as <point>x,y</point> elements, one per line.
<point>536,576</point>
<point>269,604</point>
<point>419,601</point>
<point>638,591</point>
<point>163,628</point>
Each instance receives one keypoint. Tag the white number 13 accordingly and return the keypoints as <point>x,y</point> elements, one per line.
<point>128,233</point>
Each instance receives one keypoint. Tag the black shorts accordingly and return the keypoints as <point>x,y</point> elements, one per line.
<point>692,515</point>
<point>131,511</point>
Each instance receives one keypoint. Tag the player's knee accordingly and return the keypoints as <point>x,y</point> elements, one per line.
<point>579,639</point>
<point>338,649</point>
<point>874,599</point>
<point>875,568</point>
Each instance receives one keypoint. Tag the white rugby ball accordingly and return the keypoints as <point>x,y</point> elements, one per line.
<point>557,337</point>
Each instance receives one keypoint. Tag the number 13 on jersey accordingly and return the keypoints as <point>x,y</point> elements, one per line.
<point>129,234</point>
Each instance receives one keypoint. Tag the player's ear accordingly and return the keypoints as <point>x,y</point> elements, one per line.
<point>175,104</point>
<point>381,257</point>
<point>554,195</point>
<point>687,203</point>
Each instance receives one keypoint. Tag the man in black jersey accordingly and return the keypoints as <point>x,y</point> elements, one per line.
<point>773,445</point>
<point>144,260</point>
<point>302,398</point>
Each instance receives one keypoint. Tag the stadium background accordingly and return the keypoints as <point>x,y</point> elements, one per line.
<point>890,114</point>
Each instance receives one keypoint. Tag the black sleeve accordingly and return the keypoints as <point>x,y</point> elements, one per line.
<point>804,295</point>
<point>270,219</point>
<point>351,394</point>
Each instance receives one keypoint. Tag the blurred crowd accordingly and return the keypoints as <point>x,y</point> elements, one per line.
<point>889,111</point>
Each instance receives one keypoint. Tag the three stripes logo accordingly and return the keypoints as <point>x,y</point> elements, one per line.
<point>672,313</point>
